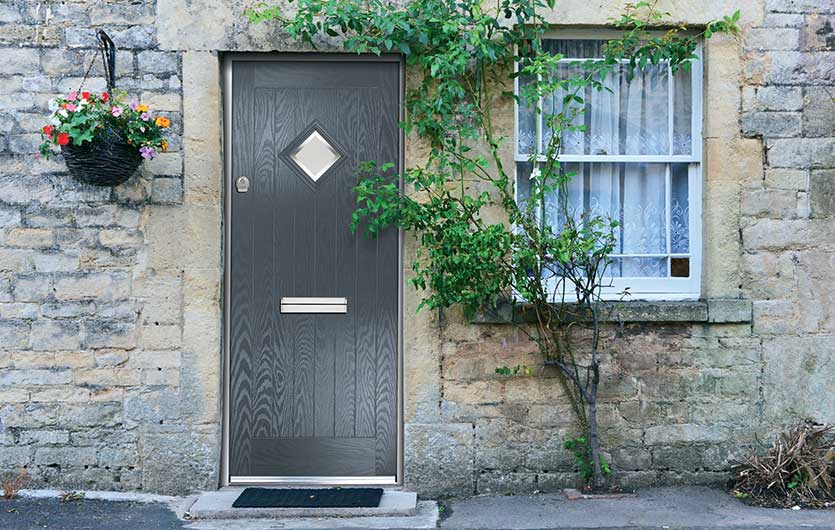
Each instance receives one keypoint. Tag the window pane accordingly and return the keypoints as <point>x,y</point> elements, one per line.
<point>526,128</point>
<point>632,194</point>
<point>638,268</point>
<point>679,210</point>
<point>682,111</point>
<point>628,117</point>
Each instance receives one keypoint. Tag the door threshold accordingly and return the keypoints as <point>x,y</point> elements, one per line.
<point>312,481</point>
<point>218,505</point>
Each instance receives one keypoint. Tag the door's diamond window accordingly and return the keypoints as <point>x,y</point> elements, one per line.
<point>315,155</point>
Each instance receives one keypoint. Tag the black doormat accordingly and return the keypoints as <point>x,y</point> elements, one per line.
<point>309,498</point>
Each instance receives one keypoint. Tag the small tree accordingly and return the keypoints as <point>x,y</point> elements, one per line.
<point>465,52</point>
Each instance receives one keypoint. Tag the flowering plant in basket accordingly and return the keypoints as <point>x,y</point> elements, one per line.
<point>103,137</point>
<point>87,117</point>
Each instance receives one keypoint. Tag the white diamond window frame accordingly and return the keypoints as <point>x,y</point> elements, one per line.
<point>329,147</point>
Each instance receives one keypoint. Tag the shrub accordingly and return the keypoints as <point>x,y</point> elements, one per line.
<point>798,469</point>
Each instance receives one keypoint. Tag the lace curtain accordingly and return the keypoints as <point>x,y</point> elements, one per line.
<point>632,117</point>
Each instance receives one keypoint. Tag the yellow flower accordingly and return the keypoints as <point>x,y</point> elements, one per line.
<point>142,108</point>
<point>164,146</point>
<point>163,122</point>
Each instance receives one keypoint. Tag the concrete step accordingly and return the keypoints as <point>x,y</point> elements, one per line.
<point>218,505</point>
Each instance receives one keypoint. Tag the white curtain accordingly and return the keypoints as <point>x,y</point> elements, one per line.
<point>629,117</point>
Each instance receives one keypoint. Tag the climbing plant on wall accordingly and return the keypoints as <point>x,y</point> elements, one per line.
<point>467,54</point>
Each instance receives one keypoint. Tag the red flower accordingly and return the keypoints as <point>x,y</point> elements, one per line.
<point>105,96</point>
<point>85,95</point>
<point>47,130</point>
<point>63,139</point>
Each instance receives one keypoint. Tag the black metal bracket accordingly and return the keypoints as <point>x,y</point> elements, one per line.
<point>108,56</point>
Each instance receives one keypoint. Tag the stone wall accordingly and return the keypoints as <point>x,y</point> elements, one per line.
<point>110,315</point>
<point>681,398</point>
<point>109,298</point>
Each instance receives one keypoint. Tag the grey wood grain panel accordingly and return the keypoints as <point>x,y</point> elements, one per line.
<point>285,103</point>
<point>346,270</point>
<point>314,456</point>
<point>387,310</point>
<point>366,284</point>
<point>301,382</point>
<point>262,183</point>
<point>242,392</point>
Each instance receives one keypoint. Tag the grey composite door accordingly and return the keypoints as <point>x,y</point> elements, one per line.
<point>313,308</point>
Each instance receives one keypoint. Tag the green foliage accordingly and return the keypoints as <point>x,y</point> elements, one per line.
<point>519,369</point>
<point>581,449</point>
<point>478,243</point>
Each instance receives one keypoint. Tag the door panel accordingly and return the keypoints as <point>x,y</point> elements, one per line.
<point>311,394</point>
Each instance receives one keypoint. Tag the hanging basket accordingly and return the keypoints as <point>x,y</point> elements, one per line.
<point>107,161</point>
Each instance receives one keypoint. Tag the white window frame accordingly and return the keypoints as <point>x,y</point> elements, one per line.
<point>643,288</point>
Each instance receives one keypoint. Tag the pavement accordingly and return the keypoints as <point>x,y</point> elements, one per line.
<point>674,507</point>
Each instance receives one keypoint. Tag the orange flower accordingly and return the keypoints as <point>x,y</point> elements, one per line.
<point>163,122</point>
<point>164,146</point>
<point>142,108</point>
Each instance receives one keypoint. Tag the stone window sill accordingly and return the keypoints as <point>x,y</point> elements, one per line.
<point>714,311</point>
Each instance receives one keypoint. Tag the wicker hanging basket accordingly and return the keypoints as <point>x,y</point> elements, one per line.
<point>109,160</point>
<point>106,161</point>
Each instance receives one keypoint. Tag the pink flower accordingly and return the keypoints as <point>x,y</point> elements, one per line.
<point>73,96</point>
<point>116,111</point>
<point>133,105</point>
<point>71,107</point>
<point>145,116</point>
<point>147,152</point>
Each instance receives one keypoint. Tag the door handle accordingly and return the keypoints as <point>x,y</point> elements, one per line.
<point>313,305</point>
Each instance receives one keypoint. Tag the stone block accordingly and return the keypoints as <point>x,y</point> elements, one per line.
<point>774,316</point>
<point>822,193</point>
<point>772,124</point>
<point>682,433</point>
<point>798,375</point>
<point>14,334</point>
<point>799,6</point>
<point>19,61</point>
<point>152,406</point>
<point>97,285</point>
<point>505,483</point>
<point>194,25</point>
<point>55,262</point>
<point>819,33</point>
<point>35,377</point>
<point>784,20</point>
<point>819,112</point>
<point>161,337</point>
<point>135,37</point>
<point>43,437</point>
<point>106,334</point>
<point>729,310</point>
<point>779,204</point>
<point>772,39</point>
<point>21,310</point>
<point>12,457</point>
<point>787,179</point>
<point>178,463</point>
<point>65,456</point>
<point>183,237</point>
<point>90,415</point>
<point>158,62</point>
<point>50,335</point>
<point>16,260</point>
<point>439,459</point>
<point>773,234</point>
<point>167,191</point>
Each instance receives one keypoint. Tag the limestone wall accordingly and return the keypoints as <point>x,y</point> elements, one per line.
<point>110,300</point>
